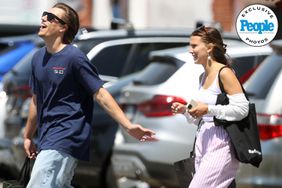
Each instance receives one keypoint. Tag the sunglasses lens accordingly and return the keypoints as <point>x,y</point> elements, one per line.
<point>50,16</point>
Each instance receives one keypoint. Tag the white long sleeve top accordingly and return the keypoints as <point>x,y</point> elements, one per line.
<point>236,110</point>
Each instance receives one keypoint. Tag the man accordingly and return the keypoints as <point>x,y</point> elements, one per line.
<point>63,84</point>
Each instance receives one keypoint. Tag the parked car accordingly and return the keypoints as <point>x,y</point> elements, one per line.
<point>171,77</point>
<point>115,55</point>
<point>12,49</point>
<point>17,29</point>
<point>128,49</point>
<point>15,84</point>
<point>264,88</point>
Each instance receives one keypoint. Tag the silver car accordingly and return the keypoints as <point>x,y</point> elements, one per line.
<point>264,88</point>
<point>171,76</point>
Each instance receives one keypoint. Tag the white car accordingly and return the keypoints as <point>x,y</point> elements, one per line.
<point>264,88</point>
<point>171,76</point>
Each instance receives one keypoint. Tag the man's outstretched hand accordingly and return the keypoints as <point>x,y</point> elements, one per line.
<point>142,134</point>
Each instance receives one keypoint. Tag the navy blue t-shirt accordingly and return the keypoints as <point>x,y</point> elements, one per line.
<point>64,84</point>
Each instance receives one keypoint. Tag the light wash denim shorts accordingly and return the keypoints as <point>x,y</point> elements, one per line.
<point>52,169</point>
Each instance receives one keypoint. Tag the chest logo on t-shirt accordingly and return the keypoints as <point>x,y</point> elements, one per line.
<point>59,70</point>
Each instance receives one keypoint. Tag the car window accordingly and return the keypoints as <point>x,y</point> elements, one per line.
<point>115,88</point>
<point>86,45</point>
<point>138,57</point>
<point>157,72</point>
<point>261,81</point>
<point>242,65</point>
<point>110,61</point>
<point>124,59</point>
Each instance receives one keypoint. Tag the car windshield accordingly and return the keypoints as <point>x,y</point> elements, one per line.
<point>260,83</point>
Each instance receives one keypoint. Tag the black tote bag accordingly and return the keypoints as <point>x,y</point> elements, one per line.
<point>23,178</point>
<point>244,134</point>
<point>185,170</point>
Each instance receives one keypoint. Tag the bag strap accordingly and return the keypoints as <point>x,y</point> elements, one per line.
<point>219,79</point>
<point>221,84</point>
<point>192,153</point>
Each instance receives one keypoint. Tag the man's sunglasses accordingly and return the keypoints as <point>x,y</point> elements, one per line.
<point>51,17</point>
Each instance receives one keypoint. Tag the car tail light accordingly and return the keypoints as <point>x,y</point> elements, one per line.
<point>270,126</point>
<point>159,105</point>
<point>23,91</point>
<point>23,87</point>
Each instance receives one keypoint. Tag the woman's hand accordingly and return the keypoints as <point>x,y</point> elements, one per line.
<point>178,108</point>
<point>199,110</point>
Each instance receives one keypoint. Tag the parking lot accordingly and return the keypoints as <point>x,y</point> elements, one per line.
<point>145,70</point>
<point>123,163</point>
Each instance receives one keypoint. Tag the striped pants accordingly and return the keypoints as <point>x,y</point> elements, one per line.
<point>215,163</point>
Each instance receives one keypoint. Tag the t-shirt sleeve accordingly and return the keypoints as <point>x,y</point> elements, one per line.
<point>87,75</point>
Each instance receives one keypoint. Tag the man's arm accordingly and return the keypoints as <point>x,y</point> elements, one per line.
<point>30,129</point>
<point>106,101</point>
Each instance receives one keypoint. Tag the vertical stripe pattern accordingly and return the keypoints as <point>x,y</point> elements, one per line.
<point>215,163</point>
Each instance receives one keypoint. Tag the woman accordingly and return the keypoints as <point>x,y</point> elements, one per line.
<point>215,162</point>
